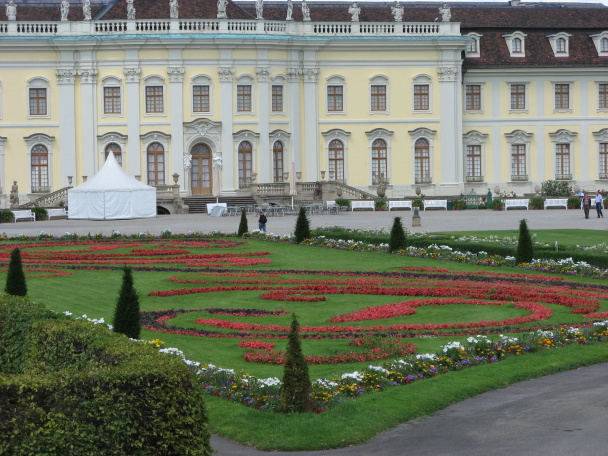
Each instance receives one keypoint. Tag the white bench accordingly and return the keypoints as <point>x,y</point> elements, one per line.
<point>60,212</point>
<point>517,203</point>
<point>367,204</point>
<point>436,204</point>
<point>400,203</point>
<point>27,215</point>
<point>556,203</point>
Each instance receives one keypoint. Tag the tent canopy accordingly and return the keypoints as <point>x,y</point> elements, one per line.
<point>110,195</point>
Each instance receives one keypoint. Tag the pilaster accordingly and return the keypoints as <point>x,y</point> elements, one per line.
<point>132,111</point>
<point>264,154</point>
<point>227,96</point>
<point>176,114</point>
<point>88,133</point>
<point>67,126</point>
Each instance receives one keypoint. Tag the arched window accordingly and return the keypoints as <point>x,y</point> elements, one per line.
<point>604,45</point>
<point>560,45</point>
<point>378,160</point>
<point>201,169</point>
<point>40,169</point>
<point>516,44</point>
<point>277,161</point>
<point>422,159</point>
<point>245,164</point>
<point>336,160</point>
<point>156,164</point>
<point>116,150</point>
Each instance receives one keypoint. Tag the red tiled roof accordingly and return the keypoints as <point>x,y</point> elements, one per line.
<point>51,13</point>
<point>188,9</point>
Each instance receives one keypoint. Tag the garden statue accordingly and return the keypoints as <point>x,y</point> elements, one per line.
<point>221,9</point>
<point>381,186</point>
<point>259,9</point>
<point>354,11</point>
<point>86,10</point>
<point>14,198</point>
<point>217,160</point>
<point>187,162</point>
<point>173,9</point>
<point>305,11</point>
<point>397,11</point>
<point>445,12</point>
<point>130,10</point>
<point>65,10</point>
<point>289,10</point>
<point>11,11</point>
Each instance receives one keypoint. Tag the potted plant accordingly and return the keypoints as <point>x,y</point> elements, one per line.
<point>537,203</point>
<point>574,202</point>
<point>380,205</point>
<point>342,202</point>
<point>497,204</point>
<point>459,205</point>
<point>6,216</point>
<point>418,203</point>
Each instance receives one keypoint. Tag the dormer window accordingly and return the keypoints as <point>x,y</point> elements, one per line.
<point>516,44</point>
<point>601,43</point>
<point>473,49</point>
<point>560,44</point>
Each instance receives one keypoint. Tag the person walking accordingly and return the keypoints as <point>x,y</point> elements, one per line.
<point>586,202</point>
<point>598,204</point>
<point>262,221</point>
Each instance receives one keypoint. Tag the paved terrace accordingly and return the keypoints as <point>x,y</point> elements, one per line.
<point>431,221</point>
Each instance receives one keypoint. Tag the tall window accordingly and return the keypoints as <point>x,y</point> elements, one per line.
<point>518,161</point>
<point>604,45</point>
<point>200,98</point>
<point>277,161</point>
<point>116,150</point>
<point>421,97</point>
<point>111,101</point>
<point>336,159</point>
<point>516,44</point>
<point>562,161</point>
<point>243,98</point>
<point>335,101</point>
<point>603,96</point>
<point>560,45</point>
<point>38,102</point>
<point>40,169</point>
<point>277,98</point>
<point>156,164</point>
<point>518,96</point>
<point>473,162</point>
<point>245,163</point>
<point>378,98</point>
<point>422,161</point>
<point>562,96</point>
<point>603,160</point>
<point>154,100</point>
<point>473,97</point>
<point>378,159</point>
<point>200,170</point>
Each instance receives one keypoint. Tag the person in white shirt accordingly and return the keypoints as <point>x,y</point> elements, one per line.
<point>598,204</point>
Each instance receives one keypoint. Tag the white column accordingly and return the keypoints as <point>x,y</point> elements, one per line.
<point>264,153</point>
<point>311,126</point>
<point>450,122</point>
<point>227,148</point>
<point>176,114</point>
<point>132,96</point>
<point>67,126</point>
<point>293,93</point>
<point>88,146</point>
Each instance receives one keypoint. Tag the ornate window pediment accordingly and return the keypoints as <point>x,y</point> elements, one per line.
<point>519,137</point>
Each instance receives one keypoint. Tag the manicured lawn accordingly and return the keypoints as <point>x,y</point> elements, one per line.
<point>563,237</point>
<point>298,270</point>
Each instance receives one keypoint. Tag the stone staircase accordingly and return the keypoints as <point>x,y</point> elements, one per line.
<point>198,204</point>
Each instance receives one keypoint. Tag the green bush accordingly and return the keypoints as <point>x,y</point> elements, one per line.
<point>40,213</point>
<point>80,389</point>
<point>574,202</point>
<point>380,205</point>
<point>497,204</point>
<point>555,188</point>
<point>7,216</point>
<point>398,239</point>
<point>459,204</point>
<point>15,278</point>
<point>243,227</point>
<point>343,202</point>
<point>127,319</point>
<point>525,250</point>
<point>302,230</point>
<point>537,203</point>
<point>418,203</point>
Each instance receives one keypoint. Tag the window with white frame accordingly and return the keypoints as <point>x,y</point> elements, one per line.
<point>155,158</point>
<point>473,46</point>
<point>335,89</point>
<point>519,144</point>
<point>379,160</point>
<point>244,98</point>
<point>473,168</point>
<point>516,44</point>
<point>560,43</point>
<point>277,161</point>
<point>277,99</point>
<point>422,161</point>
<point>378,94</point>
<point>201,94</point>
<point>563,141</point>
<point>40,169</point>
<point>116,150</point>
<point>336,159</point>
<point>421,93</point>
<point>38,96</point>
<point>600,41</point>
<point>472,97</point>
<point>245,163</point>
<point>519,96</point>
<point>154,96</point>
<point>603,155</point>
<point>604,45</point>
<point>602,101</point>
<point>111,91</point>
<point>562,96</point>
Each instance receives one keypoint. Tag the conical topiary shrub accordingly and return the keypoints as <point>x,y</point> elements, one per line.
<point>398,239</point>
<point>243,227</point>
<point>15,279</point>
<point>525,250</point>
<point>296,392</point>
<point>302,230</point>
<point>127,319</point>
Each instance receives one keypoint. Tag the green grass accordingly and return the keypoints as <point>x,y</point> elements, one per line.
<point>563,237</point>
<point>95,292</point>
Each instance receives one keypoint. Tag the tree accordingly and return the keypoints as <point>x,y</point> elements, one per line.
<point>302,230</point>
<point>126,314</point>
<point>296,392</point>
<point>525,250</point>
<point>243,227</point>
<point>15,279</point>
<point>398,239</point>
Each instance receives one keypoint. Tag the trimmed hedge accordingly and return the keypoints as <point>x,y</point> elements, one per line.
<point>73,388</point>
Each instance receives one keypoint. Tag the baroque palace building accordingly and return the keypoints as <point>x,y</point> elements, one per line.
<point>445,97</point>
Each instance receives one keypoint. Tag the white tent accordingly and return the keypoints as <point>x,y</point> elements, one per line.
<point>110,195</point>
